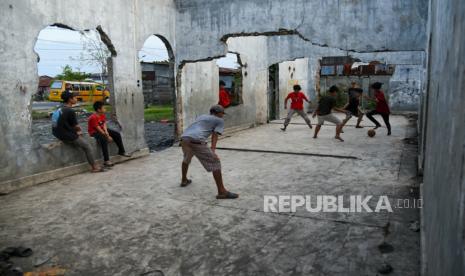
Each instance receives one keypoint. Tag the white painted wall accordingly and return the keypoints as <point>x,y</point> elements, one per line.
<point>291,73</point>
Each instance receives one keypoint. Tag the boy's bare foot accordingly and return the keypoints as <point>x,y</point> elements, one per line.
<point>283,129</point>
<point>339,138</point>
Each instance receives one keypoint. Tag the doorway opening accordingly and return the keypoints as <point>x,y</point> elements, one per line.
<point>230,75</point>
<point>158,85</point>
<point>273,92</point>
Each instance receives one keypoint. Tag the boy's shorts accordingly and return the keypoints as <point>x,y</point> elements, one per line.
<point>330,118</point>
<point>200,150</point>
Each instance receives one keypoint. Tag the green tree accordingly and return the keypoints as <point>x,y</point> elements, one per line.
<point>70,75</point>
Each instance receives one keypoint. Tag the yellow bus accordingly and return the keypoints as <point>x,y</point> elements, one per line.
<point>85,91</point>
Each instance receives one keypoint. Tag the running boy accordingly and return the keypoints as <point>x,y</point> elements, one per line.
<point>352,108</point>
<point>297,106</point>
<point>382,107</point>
<point>326,104</point>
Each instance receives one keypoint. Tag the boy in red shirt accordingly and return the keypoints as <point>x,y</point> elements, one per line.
<point>97,128</point>
<point>297,106</point>
<point>224,99</point>
<point>382,107</point>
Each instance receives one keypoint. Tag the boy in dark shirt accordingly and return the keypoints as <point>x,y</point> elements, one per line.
<point>97,128</point>
<point>325,106</point>
<point>352,107</point>
<point>382,107</point>
<point>68,130</point>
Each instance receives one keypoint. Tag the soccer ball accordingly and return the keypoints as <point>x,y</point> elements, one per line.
<point>371,133</point>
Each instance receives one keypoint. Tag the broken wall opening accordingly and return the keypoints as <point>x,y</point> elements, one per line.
<point>346,72</point>
<point>156,58</point>
<point>273,92</point>
<point>230,74</point>
<point>78,59</point>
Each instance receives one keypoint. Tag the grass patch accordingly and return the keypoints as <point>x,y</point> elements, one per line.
<point>152,113</point>
<point>37,115</point>
<point>158,112</point>
<point>89,107</point>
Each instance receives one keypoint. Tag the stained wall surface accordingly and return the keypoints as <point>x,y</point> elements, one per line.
<point>362,26</point>
<point>386,31</point>
<point>444,165</point>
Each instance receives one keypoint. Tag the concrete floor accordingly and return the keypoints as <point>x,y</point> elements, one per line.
<point>135,218</point>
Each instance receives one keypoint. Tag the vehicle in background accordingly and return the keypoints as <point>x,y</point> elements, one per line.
<point>85,91</point>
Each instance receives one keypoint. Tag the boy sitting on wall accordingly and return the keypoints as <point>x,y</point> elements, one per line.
<point>97,128</point>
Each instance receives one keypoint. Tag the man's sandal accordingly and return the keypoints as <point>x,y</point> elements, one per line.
<point>227,195</point>
<point>186,183</point>
<point>101,169</point>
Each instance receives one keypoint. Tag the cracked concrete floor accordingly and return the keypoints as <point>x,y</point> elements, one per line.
<point>136,219</point>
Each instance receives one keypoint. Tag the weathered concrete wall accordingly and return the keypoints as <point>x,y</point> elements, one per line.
<point>364,26</point>
<point>253,53</point>
<point>127,24</point>
<point>391,31</point>
<point>199,90</point>
<point>444,170</point>
<point>405,87</point>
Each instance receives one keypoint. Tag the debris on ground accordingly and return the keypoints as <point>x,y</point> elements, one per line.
<point>385,248</point>
<point>47,271</point>
<point>414,226</point>
<point>385,268</point>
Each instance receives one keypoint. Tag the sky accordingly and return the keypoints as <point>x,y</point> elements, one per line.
<point>58,47</point>
<point>230,61</point>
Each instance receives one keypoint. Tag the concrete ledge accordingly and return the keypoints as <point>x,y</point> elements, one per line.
<point>9,186</point>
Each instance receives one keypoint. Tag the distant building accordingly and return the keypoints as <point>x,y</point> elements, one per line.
<point>44,87</point>
<point>348,66</point>
<point>157,82</point>
<point>97,77</point>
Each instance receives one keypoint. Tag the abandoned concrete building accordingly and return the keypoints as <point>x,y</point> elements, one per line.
<point>136,219</point>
